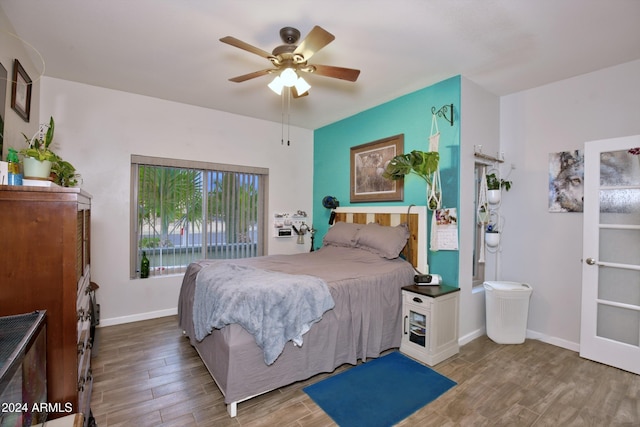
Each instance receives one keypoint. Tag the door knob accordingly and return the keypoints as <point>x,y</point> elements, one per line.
<point>591,261</point>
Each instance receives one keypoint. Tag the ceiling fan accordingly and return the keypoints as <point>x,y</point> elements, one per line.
<point>291,59</point>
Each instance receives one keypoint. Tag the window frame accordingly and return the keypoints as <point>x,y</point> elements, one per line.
<point>478,268</point>
<point>138,160</point>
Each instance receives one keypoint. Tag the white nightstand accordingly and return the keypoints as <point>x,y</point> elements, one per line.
<point>430,322</point>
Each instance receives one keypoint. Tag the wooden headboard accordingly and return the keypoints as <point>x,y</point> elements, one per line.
<point>392,216</point>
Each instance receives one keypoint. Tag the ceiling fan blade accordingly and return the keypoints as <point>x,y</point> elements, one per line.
<point>245,46</point>
<point>253,75</point>
<point>336,72</point>
<point>315,40</point>
<point>294,93</point>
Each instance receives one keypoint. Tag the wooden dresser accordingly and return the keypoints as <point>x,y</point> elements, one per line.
<point>45,265</point>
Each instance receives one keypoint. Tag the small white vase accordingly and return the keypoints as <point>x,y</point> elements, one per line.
<point>492,239</point>
<point>36,169</point>
<point>493,196</point>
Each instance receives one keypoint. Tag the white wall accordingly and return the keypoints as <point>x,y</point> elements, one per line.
<point>11,47</point>
<point>479,125</point>
<point>98,129</point>
<point>542,248</point>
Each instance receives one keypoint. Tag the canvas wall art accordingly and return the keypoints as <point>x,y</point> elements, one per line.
<point>566,181</point>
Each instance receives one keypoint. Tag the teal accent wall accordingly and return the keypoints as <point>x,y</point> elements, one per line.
<point>409,115</point>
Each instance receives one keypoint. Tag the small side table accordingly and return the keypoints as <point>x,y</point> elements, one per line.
<point>430,322</point>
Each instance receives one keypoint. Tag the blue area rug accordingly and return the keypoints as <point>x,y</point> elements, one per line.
<point>378,393</point>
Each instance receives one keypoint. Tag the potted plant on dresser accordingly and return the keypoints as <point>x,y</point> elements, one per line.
<point>38,157</point>
<point>64,173</point>
<point>41,163</point>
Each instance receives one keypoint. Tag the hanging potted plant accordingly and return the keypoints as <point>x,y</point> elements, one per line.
<point>420,163</point>
<point>494,185</point>
<point>38,157</point>
<point>492,235</point>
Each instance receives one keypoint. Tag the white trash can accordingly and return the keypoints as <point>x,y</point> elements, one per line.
<point>507,305</point>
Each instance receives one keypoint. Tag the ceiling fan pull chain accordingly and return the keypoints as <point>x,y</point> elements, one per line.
<point>282,119</point>
<point>289,116</point>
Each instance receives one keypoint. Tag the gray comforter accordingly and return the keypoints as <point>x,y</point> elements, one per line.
<point>272,306</point>
<point>366,320</point>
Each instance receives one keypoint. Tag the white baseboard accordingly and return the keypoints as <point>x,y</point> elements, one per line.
<point>558,342</point>
<point>471,336</point>
<point>138,317</point>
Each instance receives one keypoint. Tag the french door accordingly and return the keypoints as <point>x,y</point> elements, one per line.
<point>610,328</point>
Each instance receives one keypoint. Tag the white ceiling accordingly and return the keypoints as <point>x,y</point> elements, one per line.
<point>169,49</point>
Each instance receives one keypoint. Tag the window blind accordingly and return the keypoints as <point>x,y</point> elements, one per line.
<point>183,211</point>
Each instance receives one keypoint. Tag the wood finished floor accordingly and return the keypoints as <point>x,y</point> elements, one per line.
<point>147,374</point>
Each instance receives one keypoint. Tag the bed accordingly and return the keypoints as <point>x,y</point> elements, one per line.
<point>364,282</point>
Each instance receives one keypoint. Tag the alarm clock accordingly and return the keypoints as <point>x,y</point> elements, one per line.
<point>427,279</point>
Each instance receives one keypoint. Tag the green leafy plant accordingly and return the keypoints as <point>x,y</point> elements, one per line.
<point>64,173</point>
<point>38,146</point>
<point>420,163</point>
<point>163,219</point>
<point>493,183</point>
<point>150,242</point>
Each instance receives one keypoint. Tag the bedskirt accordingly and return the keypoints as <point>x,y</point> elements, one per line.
<point>366,321</point>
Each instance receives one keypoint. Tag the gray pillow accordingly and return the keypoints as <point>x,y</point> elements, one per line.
<point>342,234</point>
<point>382,240</point>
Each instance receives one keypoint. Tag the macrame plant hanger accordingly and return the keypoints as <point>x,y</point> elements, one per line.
<point>483,211</point>
<point>434,191</point>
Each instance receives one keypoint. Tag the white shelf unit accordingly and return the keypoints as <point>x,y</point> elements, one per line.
<point>430,322</point>
<point>283,223</point>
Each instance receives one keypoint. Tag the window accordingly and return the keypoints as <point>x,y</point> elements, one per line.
<point>182,211</point>
<point>478,263</point>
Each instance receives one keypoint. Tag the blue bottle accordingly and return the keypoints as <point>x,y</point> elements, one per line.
<point>15,177</point>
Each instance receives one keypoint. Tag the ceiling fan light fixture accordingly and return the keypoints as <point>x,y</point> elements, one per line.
<point>288,77</point>
<point>292,58</point>
<point>302,86</point>
<point>276,85</point>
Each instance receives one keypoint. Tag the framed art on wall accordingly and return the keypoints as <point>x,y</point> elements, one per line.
<point>368,162</point>
<point>21,91</point>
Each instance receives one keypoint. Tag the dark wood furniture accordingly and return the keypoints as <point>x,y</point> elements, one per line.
<point>23,385</point>
<point>45,265</point>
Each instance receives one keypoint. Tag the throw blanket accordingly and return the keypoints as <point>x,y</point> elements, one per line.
<point>273,307</point>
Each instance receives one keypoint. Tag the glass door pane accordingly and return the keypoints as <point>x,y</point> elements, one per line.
<point>619,285</point>
<point>619,168</point>
<point>610,320</point>
<point>618,314</point>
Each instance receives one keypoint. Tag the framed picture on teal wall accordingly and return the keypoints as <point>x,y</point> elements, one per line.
<point>368,162</point>
<point>21,91</point>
